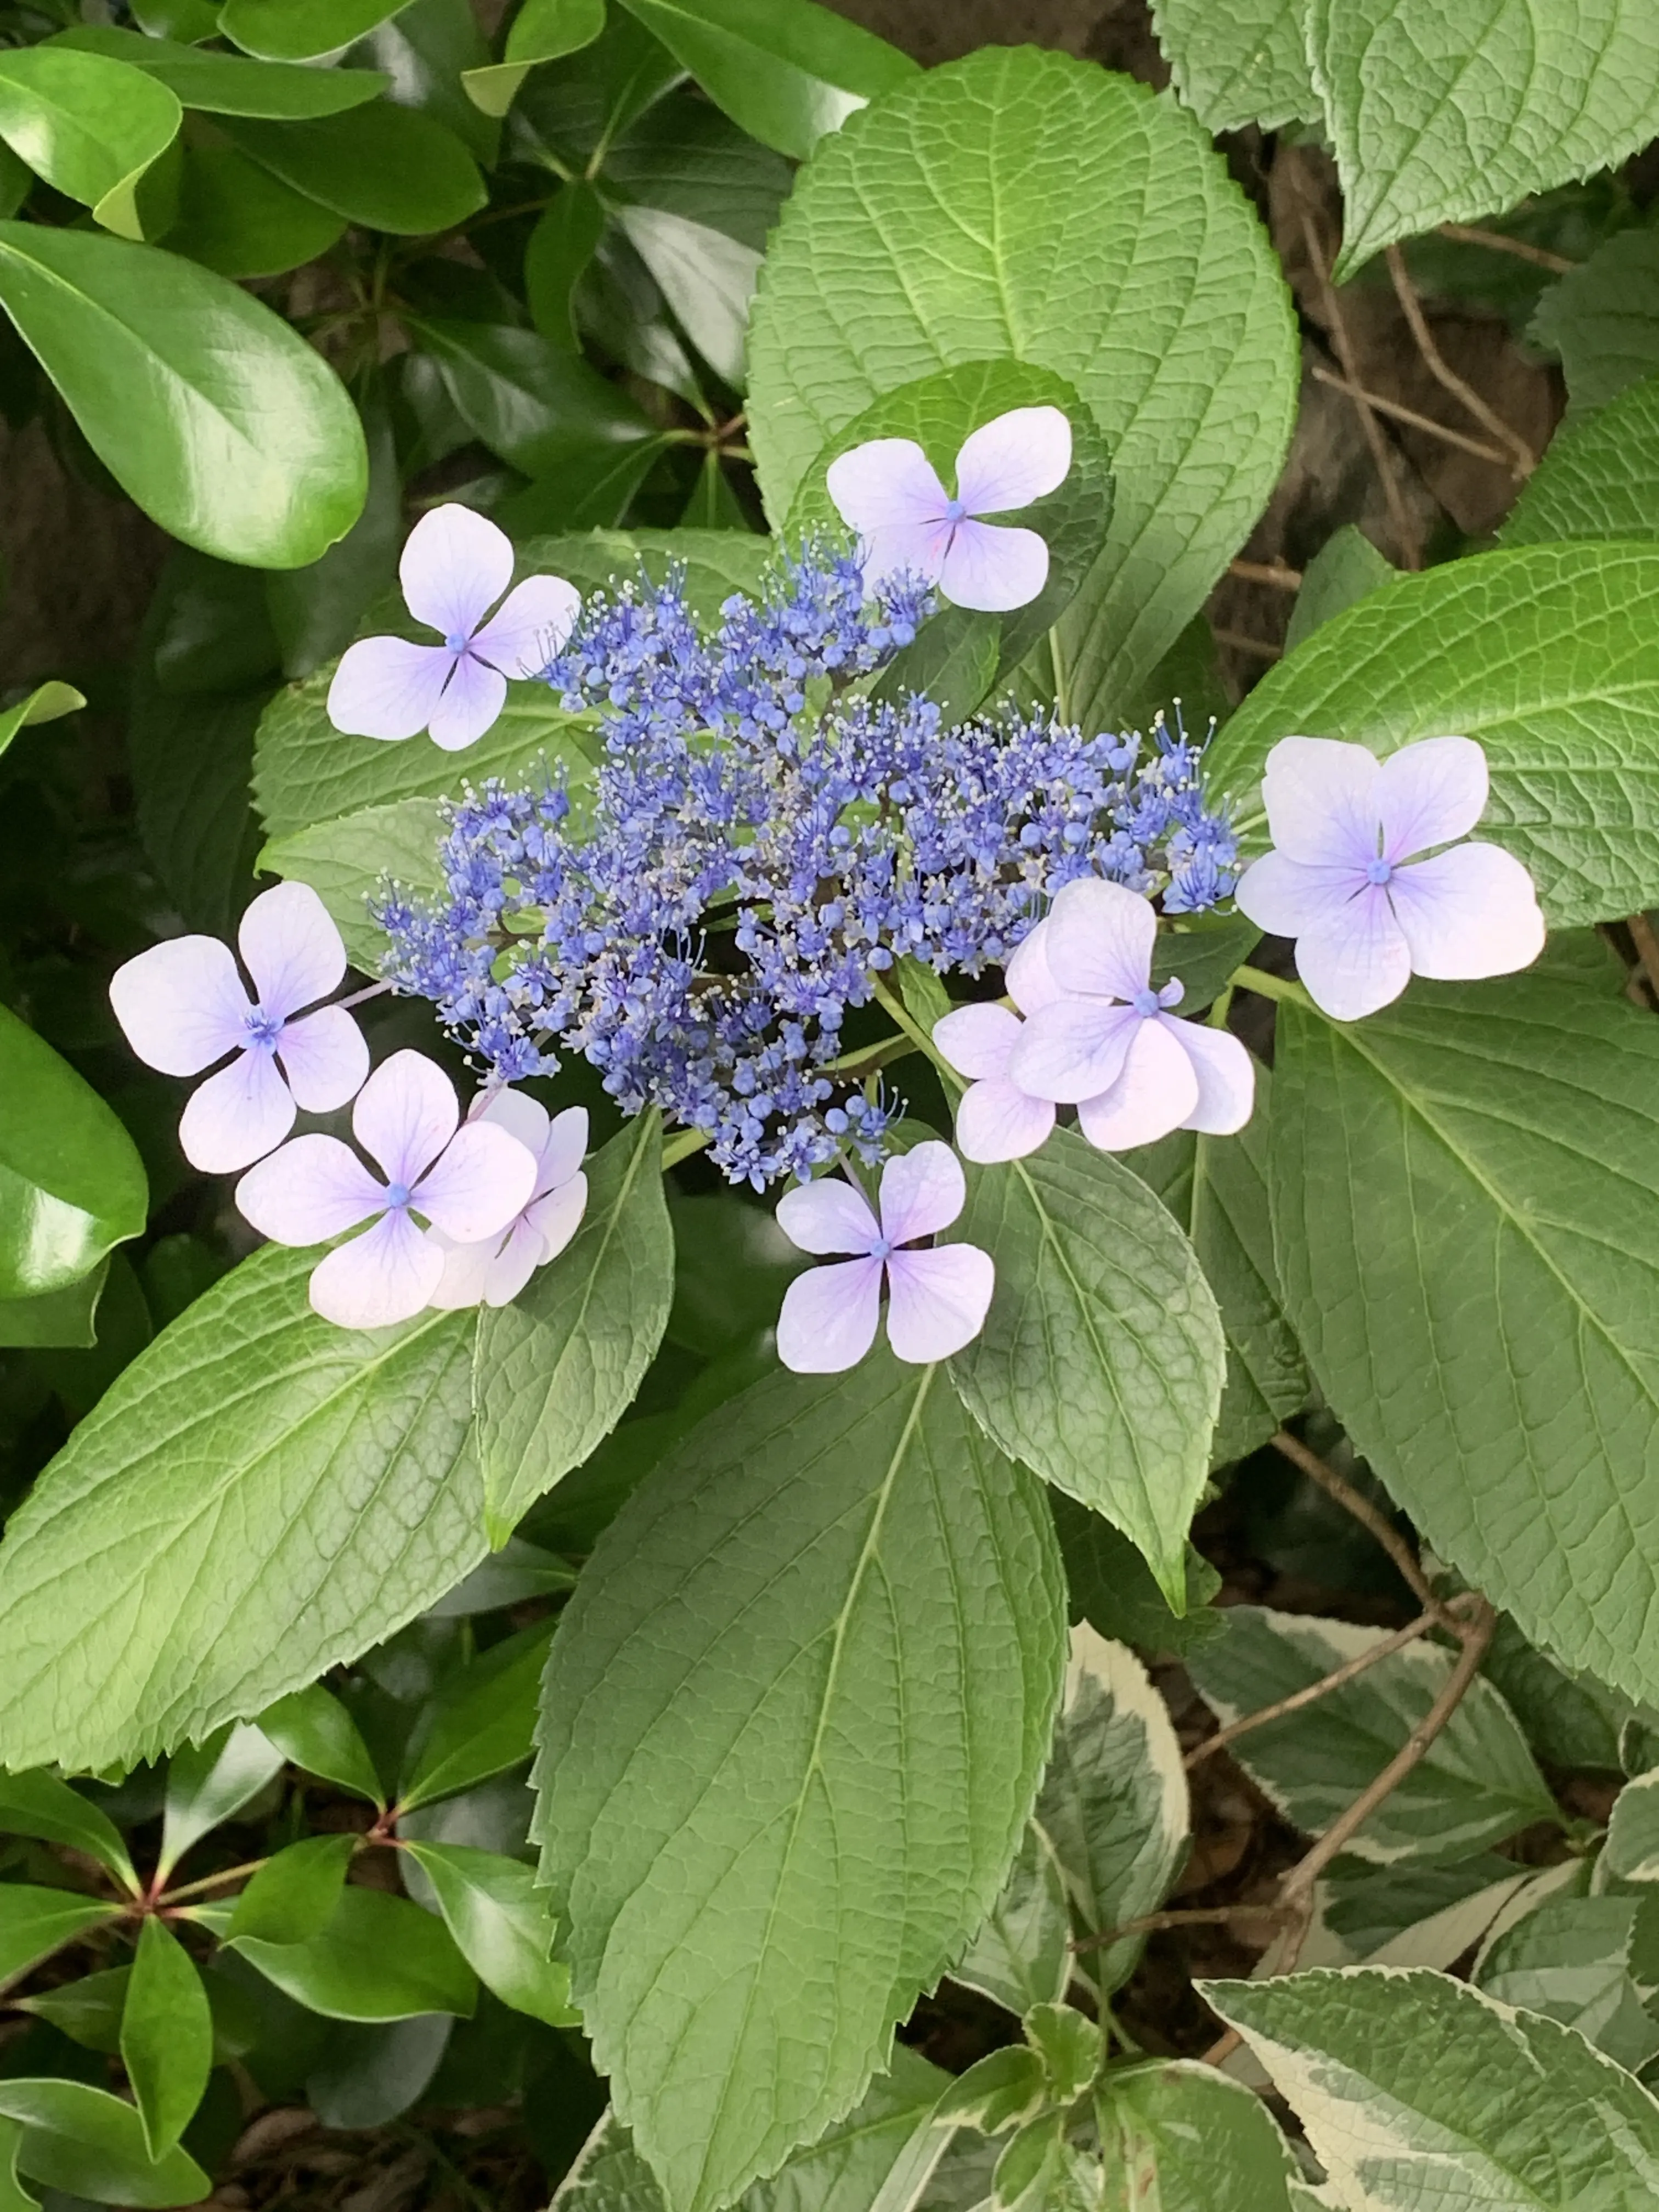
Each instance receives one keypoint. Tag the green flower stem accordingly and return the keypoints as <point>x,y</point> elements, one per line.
<point>896,1006</point>
<point>1268,987</point>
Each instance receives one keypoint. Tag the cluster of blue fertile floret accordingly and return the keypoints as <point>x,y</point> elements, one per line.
<point>764,839</point>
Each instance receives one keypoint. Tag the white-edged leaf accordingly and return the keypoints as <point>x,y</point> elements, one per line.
<point>1571,1961</point>
<point>1186,2139</point>
<point>1022,1955</point>
<point>1632,1846</point>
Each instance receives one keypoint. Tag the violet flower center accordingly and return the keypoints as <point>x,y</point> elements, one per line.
<point>1148,1002</point>
<point>1378,872</point>
<point>882,1248</point>
<point>397,1197</point>
<point>263,1030</point>
<point>955,511</point>
<point>458,641</point>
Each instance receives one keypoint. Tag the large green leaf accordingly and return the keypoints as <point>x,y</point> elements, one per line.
<point>1192,2141</point>
<point>1599,478</point>
<point>217,418</point>
<point>481,1722</point>
<point>1024,205</point>
<point>41,1805</point>
<point>71,1184</point>
<point>1548,656</point>
<point>259,1496</point>
<point>236,218</point>
<point>167,2036</point>
<point>501,1923</point>
<point>1570,1959</point>
<point>301,30</point>
<point>1101,1360</point>
<point>389,168</point>
<point>802,1695</point>
<point>1417,2090</point>
<point>376,1958</point>
<point>88,2143</point>
<point>1603,319</point>
<point>35,1923</point>
<point>1237,61</point>
<point>1466,1203</point>
<point>87,124</point>
<point>225,84</point>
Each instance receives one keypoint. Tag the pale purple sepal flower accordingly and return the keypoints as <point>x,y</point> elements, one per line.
<point>1109,1044</point>
<point>888,491</point>
<point>1365,915</point>
<point>492,1272</point>
<point>183,1004</point>
<point>469,1181</point>
<point>936,1300</point>
<point>455,566</point>
<point>995,1119</point>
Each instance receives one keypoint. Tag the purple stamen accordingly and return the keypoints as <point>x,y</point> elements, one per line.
<point>1146,1002</point>
<point>397,1197</point>
<point>955,511</point>
<point>1378,872</point>
<point>263,1030</point>
<point>457,642</point>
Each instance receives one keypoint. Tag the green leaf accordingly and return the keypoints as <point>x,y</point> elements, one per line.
<point>684,156</point>
<point>71,1184</point>
<point>1415,1913</point>
<point>1632,1846</point>
<point>1570,1720</point>
<point>193,20</point>
<point>88,2010</point>
<point>1001,2091</point>
<point>35,1922</point>
<point>219,419</point>
<point>56,1321</point>
<point>1599,478</point>
<point>1111,1586</point>
<point>425,49</point>
<point>47,702</point>
<point>1101,1360</point>
<point>529,401</point>
<point>540,31</point>
<point>929,232</point>
<point>294,1893</point>
<point>560,247</point>
<point>236,218</point>
<point>1571,1961</point>
<point>1445,115</point>
<point>377,1958</point>
<point>500,1923</point>
<point>592,488</point>
<point>87,2143</point>
<point>315,1732</point>
<point>315,612</point>
<point>301,30</point>
<point>707,278</point>
<point>1603,319</point>
<point>1466,1212</point>
<point>224,84</point>
<point>89,126</point>
<point>786,70</point>
<point>1021,1955</point>
<point>713,505</point>
<point>1204,955</point>
<point>389,168</point>
<point>1475,1784</point>
<point>1194,2141</point>
<point>345,862</point>
<point>572,116</point>
<point>1346,569</point>
<point>167,2036</point>
<point>191,759</point>
<point>258,1497</point>
<point>41,1805</point>
<point>1548,657</point>
<point>558,1368</point>
<point>482,1722</point>
<point>1237,61</point>
<point>1415,2089</point>
<point>822,1637</point>
<point>211,1782</point>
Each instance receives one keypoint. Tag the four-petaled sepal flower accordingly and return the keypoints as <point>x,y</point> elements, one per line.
<point>493,1272</point>
<point>183,1004</point>
<point>1343,880</point>
<point>890,493</point>
<point>937,1300</point>
<point>455,566</point>
<point>469,1182</point>
<point>995,1119</point>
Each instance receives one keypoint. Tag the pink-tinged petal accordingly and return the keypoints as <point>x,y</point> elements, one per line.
<point>916,549</point>
<point>1357,961</point>
<point>384,687</point>
<point>1226,1073</point>
<point>557,1215</point>
<point>470,1270</point>
<point>1156,1092</point>
<point>1073,1049</point>
<point>1021,456</point>
<point>1471,912</point>
<point>996,1121</point>
<point>236,1116</point>
<point>1430,794</point>
<point>562,1151</point>
<point>1100,939</point>
<point>313,1189</point>
<point>829,1315</point>
<point>530,626</point>
<point>182,1005</point>
<point>888,484</point>
<point>992,568</point>
<point>937,1301</point>
<point>1285,896</point>
<point>472,700</point>
<point>324,1058</point>
<point>481,1182</point>
<point>977,1039</point>
<point>1320,797</point>
<point>1029,979</point>
<point>516,1112</point>
<point>455,566</point>
<point>291,948</point>
<point>405,1116</point>
<point>827,1216</point>
<point>386,1275</point>
<point>922,1191</point>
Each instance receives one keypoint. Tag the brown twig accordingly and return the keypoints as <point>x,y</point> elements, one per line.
<point>1199,1915</point>
<point>1540,256</point>
<point>1241,642</point>
<point>1352,1501</point>
<point>1383,1648</point>
<point>1282,577</point>
<point>1647,951</point>
<point>1399,413</point>
<point>1524,460</point>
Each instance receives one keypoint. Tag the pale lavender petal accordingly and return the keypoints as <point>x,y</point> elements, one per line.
<point>182,1005</point>
<point>469,1270</point>
<point>481,1181</point>
<point>1320,797</point>
<point>887,483</point>
<point>455,566</point>
<point>1285,896</point>
<point>996,1121</point>
<point>1226,1073</point>
<point>917,549</point>
<point>1021,456</point>
<point>829,1315</point>
<point>1029,979</point>
<point>977,1039</point>
<point>1358,960</point>
<point>937,1301</point>
<point>922,1191</point>
<point>564,1149</point>
<point>313,1189</point>
<point>529,626</point>
<point>827,1216</point>
<point>405,1116</point>
<point>386,1275</point>
<point>1430,794</point>
<point>384,687</point>
<point>291,948</point>
<point>1073,1049</point>
<point>1156,1092</point>
<point>472,699</point>
<point>1100,939</point>
<point>1468,913</point>
<point>555,1215</point>
<point>992,568</point>
<point>324,1058</point>
<point>236,1116</point>
<point>516,1112</point>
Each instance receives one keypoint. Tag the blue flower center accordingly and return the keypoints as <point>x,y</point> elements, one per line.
<point>457,642</point>
<point>263,1030</point>
<point>397,1196</point>
<point>955,511</point>
<point>1378,872</point>
<point>881,1249</point>
<point>1148,1002</point>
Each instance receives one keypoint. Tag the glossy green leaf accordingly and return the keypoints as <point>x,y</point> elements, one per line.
<point>371,2072</point>
<point>1101,1360</point>
<point>929,232</point>
<point>211,1782</point>
<point>823,1638</point>
<point>376,1958</point>
<point>1186,2139</point>
<point>39,1804</point>
<point>482,1721</point>
<point>88,2011</point>
<point>294,1895</point>
<point>1346,566</point>
<point>1238,62</point>
<point>540,32</point>
<point>167,2036</point>
<point>236,218</point>
<point>300,30</point>
<point>685,157</point>
<point>559,249</point>
<point>225,84</point>
<point>572,116</point>
<point>89,2144</point>
<point>35,1922</point>
<point>528,401</point>
<point>190,760</point>
<point>71,1184</point>
<point>1570,1960</point>
<point>258,1497</point>
<point>1548,657</point>
<point>59,1320</point>
<point>316,611</point>
<point>1204,956</point>
<point>1602,319</point>
<point>89,126</point>
<point>425,49</point>
<point>707,278</point>
<point>14,2197</point>
<point>315,1731</point>
<point>47,702</point>
<point>389,168</point>
<point>1599,478</point>
<point>557,1369</point>
<point>193,20</point>
<point>501,1925</point>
